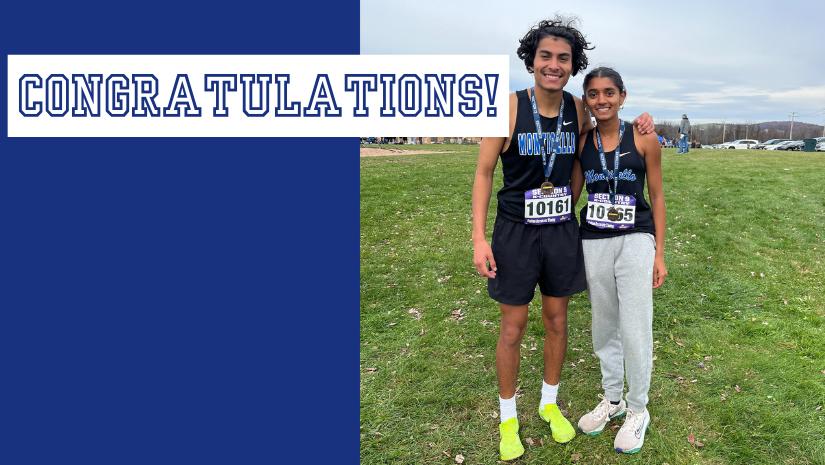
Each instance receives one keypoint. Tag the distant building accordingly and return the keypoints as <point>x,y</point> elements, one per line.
<point>424,140</point>
<point>451,140</point>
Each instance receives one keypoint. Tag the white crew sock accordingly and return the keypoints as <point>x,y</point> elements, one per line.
<point>548,394</point>
<point>508,408</point>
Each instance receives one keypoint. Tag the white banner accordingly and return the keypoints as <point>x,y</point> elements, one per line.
<point>257,96</point>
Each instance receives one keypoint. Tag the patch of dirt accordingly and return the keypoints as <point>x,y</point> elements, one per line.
<point>372,152</point>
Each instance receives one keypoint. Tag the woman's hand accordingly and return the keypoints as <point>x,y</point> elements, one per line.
<point>659,271</point>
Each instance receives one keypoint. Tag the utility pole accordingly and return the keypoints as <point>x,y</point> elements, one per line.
<point>724,127</point>
<point>793,115</point>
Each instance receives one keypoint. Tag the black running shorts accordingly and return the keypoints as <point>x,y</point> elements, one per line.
<point>548,255</point>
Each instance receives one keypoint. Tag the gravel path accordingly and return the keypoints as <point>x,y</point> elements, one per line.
<point>371,152</point>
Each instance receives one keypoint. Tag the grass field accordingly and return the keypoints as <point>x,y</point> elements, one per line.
<point>738,325</point>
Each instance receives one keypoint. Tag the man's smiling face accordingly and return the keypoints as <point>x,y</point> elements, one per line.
<point>553,63</point>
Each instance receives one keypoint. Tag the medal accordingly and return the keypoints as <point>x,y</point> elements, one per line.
<point>612,214</point>
<point>555,146</point>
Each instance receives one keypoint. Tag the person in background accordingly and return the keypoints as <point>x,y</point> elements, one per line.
<point>684,132</point>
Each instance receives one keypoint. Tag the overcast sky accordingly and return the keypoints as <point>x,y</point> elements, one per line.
<point>714,60</point>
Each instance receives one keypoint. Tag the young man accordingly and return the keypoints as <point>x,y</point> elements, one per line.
<point>532,245</point>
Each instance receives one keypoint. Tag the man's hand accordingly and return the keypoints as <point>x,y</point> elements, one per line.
<point>482,253</point>
<point>659,272</point>
<point>644,123</point>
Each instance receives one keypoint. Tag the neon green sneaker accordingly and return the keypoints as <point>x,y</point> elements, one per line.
<point>510,445</point>
<point>561,428</point>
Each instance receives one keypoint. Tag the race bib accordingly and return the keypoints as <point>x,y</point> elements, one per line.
<point>548,209</point>
<point>598,206</point>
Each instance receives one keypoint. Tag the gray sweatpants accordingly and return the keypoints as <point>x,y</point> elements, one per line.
<point>619,285</point>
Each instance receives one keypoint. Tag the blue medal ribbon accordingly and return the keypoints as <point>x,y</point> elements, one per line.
<point>612,189</point>
<point>554,147</point>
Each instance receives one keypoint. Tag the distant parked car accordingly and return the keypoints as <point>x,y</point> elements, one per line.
<point>820,147</point>
<point>740,144</point>
<point>766,144</point>
<point>792,145</point>
<point>777,145</point>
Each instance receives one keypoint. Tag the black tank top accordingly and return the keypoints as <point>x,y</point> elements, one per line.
<point>521,162</point>
<point>631,182</point>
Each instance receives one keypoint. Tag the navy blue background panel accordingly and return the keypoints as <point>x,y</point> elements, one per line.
<point>164,300</point>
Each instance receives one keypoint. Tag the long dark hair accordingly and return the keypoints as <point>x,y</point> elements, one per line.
<point>604,72</point>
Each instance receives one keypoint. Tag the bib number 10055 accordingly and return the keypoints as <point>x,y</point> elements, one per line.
<point>598,206</point>
<point>599,212</point>
<point>548,209</point>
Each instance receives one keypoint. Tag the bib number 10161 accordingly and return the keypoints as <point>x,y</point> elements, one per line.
<point>548,209</point>
<point>543,207</point>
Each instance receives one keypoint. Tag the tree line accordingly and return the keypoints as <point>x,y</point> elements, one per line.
<point>717,133</point>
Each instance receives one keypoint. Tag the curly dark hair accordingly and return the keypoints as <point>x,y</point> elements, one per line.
<point>563,27</point>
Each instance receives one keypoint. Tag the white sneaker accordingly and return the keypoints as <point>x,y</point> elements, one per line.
<point>593,422</point>
<point>631,436</point>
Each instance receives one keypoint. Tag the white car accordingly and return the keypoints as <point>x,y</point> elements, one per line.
<point>740,144</point>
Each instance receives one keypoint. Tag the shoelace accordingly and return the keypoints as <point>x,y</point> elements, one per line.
<point>602,409</point>
<point>632,420</point>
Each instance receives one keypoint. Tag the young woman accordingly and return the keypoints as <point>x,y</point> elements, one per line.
<point>533,244</point>
<point>623,240</point>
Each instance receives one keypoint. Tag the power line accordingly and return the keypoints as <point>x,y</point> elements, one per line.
<point>815,113</point>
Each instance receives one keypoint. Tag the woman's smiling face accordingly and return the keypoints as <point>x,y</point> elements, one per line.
<point>604,98</point>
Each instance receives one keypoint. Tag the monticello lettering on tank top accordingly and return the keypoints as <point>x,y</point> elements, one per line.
<point>529,143</point>
<point>591,176</point>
